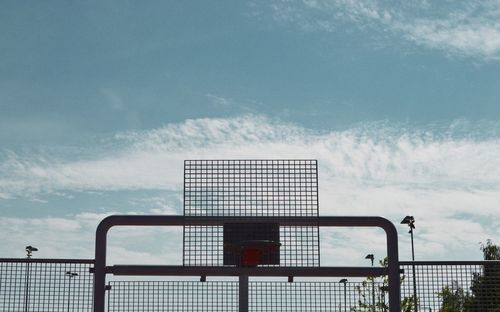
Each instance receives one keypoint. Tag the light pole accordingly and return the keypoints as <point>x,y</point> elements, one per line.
<point>70,275</point>
<point>344,281</point>
<point>29,252</point>
<point>410,221</point>
<point>383,290</point>
<point>372,257</point>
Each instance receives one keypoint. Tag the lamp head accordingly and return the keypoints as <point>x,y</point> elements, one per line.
<point>71,274</point>
<point>29,250</point>
<point>370,256</point>
<point>344,280</point>
<point>410,221</point>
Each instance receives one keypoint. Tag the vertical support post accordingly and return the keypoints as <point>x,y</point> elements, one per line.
<point>345,297</point>
<point>243,293</point>
<point>69,294</point>
<point>393,267</point>
<point>413,272</point>
<point>27,283</point>
<point>373,294</point>
<point>100,265</point>
<point>108,289</point>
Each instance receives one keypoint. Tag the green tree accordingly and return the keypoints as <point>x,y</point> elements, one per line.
<point>455,299</point>
<point>486,285</point>
<point>365,301</point>
<point>484,295</point>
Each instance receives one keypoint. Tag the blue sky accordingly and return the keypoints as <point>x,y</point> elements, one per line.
<point>101,101</point>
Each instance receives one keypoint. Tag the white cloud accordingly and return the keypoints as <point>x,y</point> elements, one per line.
<point>73,236</point>
<point>450,183</point>
<point>469,28</point>
<point>55,237</point>
<point>220,101</point>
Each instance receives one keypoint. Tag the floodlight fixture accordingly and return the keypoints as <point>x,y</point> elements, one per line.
<point>29,250</point>
<point>71,274</point>
<point>410,221</point>
<point>371,257</point>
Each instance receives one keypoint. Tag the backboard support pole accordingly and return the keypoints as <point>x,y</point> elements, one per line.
<point>243,293</point>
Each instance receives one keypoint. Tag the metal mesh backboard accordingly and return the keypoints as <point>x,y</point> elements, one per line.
<point>251,188</point>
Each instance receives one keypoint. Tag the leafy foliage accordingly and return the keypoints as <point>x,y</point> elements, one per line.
<point>484,295</point>
<point>366,303</point>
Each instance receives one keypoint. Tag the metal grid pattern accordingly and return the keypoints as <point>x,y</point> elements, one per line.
<point>454,286</point>
<point>124,296</point>
<point>251,188</point>
<point>311,296</point>
<point>45,285</point>
<point>192,296</point>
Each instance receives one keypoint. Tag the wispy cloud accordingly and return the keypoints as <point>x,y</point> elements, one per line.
<point>229,105</point>
<point>73,236</point>
<point>470,28</point>
<point>449,180</point>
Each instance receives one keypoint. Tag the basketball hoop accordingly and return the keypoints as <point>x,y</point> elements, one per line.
<point>251,244</point>
<point>252,252</point>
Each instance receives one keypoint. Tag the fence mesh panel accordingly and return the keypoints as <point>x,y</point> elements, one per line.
<point>313,296</point>
<point>45,285</point>
<point>453,286</point>
<point>441,286</point>
<point>223,296</point>
<point>66,285</point>
<point>251,188</point>
<point>173,296</point>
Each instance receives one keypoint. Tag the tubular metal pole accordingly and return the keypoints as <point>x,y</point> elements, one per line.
<point>345,297</point>
<point>27,283</point>
<point>161,220</point>
<point>69,293</point>
<point>373,290</point>
<point>243,293</point>
<point>413,272</point>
